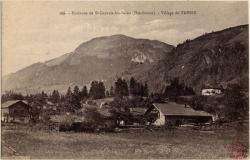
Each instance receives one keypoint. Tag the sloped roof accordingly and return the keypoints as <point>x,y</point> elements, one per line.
<point>138,111</point>
<point>50,103</point>
<point>11,102</point>
<point>174,109</point>
<point>66,118</point>
<point>100,101</point>
<point>210,86</point>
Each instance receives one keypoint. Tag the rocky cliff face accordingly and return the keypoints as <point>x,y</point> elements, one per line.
<point>218,58</point>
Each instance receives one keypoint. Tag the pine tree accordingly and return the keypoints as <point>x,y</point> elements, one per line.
<point>97,90</point>
<point>76,91</point>
<point>68,94</point>
<point>145,91</point>
<point>76,98</point>
<point>141,91</point>
<point>107,94</point>
<point>93,89</point>
<point>132,86</point>
<point>55,97</point>
<point>68,100</point>
<point>118,87</point>
<point>44,95</point>
<point>111,92</point>
<point>137,90</point>
<point>101,90</point>
<point>121,88</point>
<point>125,88</point>
<point>84,92</point>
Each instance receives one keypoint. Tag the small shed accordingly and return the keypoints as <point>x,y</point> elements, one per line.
<point>176,114</point>
<point>15,110</point>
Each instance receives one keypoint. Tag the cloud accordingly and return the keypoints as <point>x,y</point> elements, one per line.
<point>44,43</point>
<point>34,31</point>
<point>163,23</point>
<point>172,36</point>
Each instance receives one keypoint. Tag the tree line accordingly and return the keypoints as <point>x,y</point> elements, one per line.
<point>176,89</point>
<point>72,99</point>
<point>98,90</point>
<point>231,105</point>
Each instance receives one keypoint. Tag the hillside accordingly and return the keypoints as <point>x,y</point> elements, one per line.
<point>101,58</point>
<point>218,58</point>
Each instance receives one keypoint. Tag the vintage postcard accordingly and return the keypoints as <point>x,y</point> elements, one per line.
<point>124,80</point>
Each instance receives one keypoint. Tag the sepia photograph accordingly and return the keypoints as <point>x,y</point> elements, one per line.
<point>124,80</point>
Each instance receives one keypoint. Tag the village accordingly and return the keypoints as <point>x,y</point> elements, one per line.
<point>159,115</point>
<point>120,109</point>
<point>117,119</point>
<point>126,111</point>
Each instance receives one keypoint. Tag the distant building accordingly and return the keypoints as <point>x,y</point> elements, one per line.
<point>211,91</point>
<point>15,110</point>
<point>100,103</point>
<point>90,117</point>
<point>176,114</point>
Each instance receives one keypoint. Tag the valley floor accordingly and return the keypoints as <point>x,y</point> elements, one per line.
<point>179,143</point>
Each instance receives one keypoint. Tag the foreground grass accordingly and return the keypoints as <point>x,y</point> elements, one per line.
<point>180,143</point>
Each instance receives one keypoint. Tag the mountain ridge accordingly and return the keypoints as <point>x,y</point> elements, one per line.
<point>107,57</point>
<point>217,58</point>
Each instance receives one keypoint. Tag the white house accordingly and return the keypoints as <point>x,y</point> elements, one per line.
<point>211,91</point>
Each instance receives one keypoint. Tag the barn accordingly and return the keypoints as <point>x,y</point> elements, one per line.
<point>15,111</point>
<point>176,114</point>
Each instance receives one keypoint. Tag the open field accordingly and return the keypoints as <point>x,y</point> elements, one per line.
<point>178,143</point>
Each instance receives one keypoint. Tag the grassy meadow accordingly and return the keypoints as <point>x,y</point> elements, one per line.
<point>177,143</point>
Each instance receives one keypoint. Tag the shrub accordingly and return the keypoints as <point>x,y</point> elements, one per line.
<point>198,102</point>
<point>237,104</point>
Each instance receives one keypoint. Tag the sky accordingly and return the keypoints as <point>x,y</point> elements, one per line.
<point>36,31</point>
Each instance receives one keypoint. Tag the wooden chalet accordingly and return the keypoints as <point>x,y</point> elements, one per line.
<point>15,111</point>
<point>176,114</point>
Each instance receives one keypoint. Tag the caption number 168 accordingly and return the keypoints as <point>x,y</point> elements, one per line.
<point>62,13</point>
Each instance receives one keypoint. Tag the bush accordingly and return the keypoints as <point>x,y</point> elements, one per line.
<point>176,89</point>
<point>66,123</point>
<point>236,102</point>
<point>157,98</point>
<point>125,103</point>
<point>84,126</point>
<point>198,102</point>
